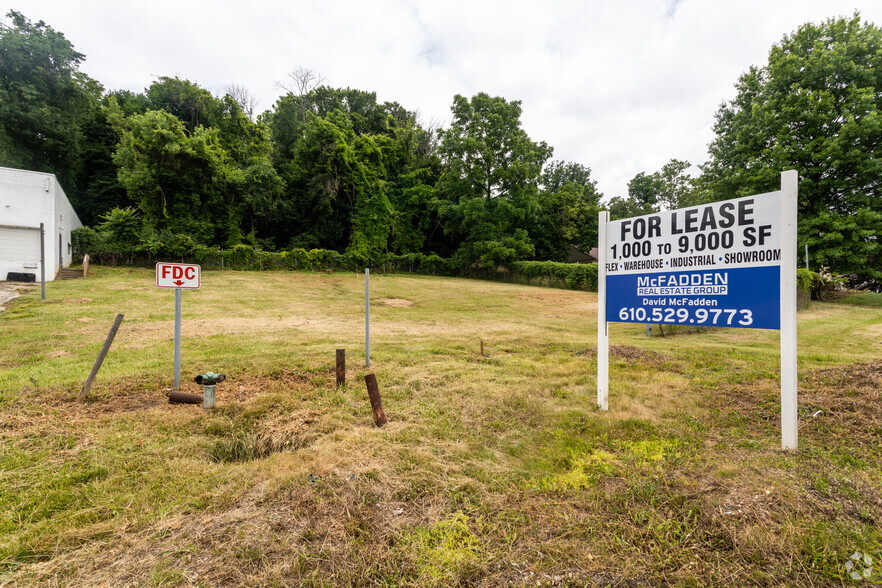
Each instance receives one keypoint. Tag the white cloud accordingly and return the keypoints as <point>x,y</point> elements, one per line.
<point>621,87</point>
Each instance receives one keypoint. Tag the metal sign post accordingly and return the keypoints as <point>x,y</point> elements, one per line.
<point>722,264</point>
<point>367,317</point>
<point>179,276</point>
<point>42,262</point>
<point>177,338</point>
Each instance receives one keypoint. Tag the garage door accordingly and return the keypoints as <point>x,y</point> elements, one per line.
<point>20,245</point>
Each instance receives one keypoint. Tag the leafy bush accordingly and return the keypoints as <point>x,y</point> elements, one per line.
<point>99,245</point>
<point>812,283</point>
<point>576,276</point>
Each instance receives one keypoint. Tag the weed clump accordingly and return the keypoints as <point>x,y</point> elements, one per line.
<point>253,445</point>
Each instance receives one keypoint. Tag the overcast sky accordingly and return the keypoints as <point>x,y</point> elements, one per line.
<point>621,86</point>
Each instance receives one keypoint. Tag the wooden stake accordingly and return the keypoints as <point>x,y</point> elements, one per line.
<point>341,367</point>
<point>101,356</point>
<point>376,403</point>
<point>482,348</point>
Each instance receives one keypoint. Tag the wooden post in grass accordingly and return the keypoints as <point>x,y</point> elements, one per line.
<point>482,348</point>
<point>370,381</point>
<point>341,367</point>
<point>101,356</point>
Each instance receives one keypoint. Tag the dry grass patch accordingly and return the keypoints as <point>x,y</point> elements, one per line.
<point>395,302</point>
<point>494,469</point>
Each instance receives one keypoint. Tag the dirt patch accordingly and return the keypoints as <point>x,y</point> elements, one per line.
<point>865,377</point>
<point>632,354</point>
<point>874,331</point>
<point>844,401</point>
<point>39,411</point>
<point>9,292</point>
<point>842,404</point>
<point>395,302</point>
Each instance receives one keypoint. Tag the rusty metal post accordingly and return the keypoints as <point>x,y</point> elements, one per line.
<point>370,381</point>
<point>184,398</point>
<point>482,348</point>
<point>101,356</point>
<point>341,367</point>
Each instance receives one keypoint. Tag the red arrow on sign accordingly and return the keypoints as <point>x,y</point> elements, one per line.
<point>178,283</point>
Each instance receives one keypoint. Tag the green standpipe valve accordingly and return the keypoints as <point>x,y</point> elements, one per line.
<point>208,381</point>
<point>209,378</point>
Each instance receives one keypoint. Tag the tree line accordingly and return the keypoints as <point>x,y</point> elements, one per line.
<point>335,169</point>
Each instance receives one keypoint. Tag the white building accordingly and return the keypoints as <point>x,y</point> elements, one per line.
<point>27,199</point>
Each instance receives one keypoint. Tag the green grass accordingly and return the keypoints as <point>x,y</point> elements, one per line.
<point>873,299</point>
<point>494,469</point>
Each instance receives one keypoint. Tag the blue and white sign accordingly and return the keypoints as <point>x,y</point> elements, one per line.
<point>716,264</point>
<point>725,264</point>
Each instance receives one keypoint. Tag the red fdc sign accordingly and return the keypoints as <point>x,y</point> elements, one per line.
<point>178,275</point>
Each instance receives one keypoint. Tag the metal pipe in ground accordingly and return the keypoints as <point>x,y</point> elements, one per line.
<point>184,398</point>
<point>373,389</point>
<point>208,396</point>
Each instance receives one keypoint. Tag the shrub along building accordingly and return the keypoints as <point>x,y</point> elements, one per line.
<point>28,199</point>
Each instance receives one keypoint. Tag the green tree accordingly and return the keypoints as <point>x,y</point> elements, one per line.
<point>668,188</point>
<point>97,188</point>
<point>174,177</point>
<point>570,203</point>
<point>335,191</point>
<point>123,226</point>
<point>488,191</point>
<point>191,104</point>
<point>196,165</point>
<point>643,197</point>
<point>200,183</point>
<point>360,175</point>
<point>816,107</point>
<point>45,100</point>
<point>677,189</point>
<point>558,174</point>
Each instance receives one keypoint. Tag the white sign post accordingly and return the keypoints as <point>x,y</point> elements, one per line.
<point>180,276</point>
<point>602,324</point>
<point>727,264</point>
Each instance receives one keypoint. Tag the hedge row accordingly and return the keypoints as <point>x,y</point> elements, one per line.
<point>246,258</point>
<point>575,276</point>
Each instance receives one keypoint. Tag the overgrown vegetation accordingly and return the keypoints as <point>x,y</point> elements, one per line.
<point>494,469</point>
<point>176,168</point>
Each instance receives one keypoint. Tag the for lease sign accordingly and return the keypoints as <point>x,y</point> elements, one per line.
<point>716,264</point>
<point>178,275</point>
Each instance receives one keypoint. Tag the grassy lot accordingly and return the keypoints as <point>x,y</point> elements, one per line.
<point>494,469</point>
